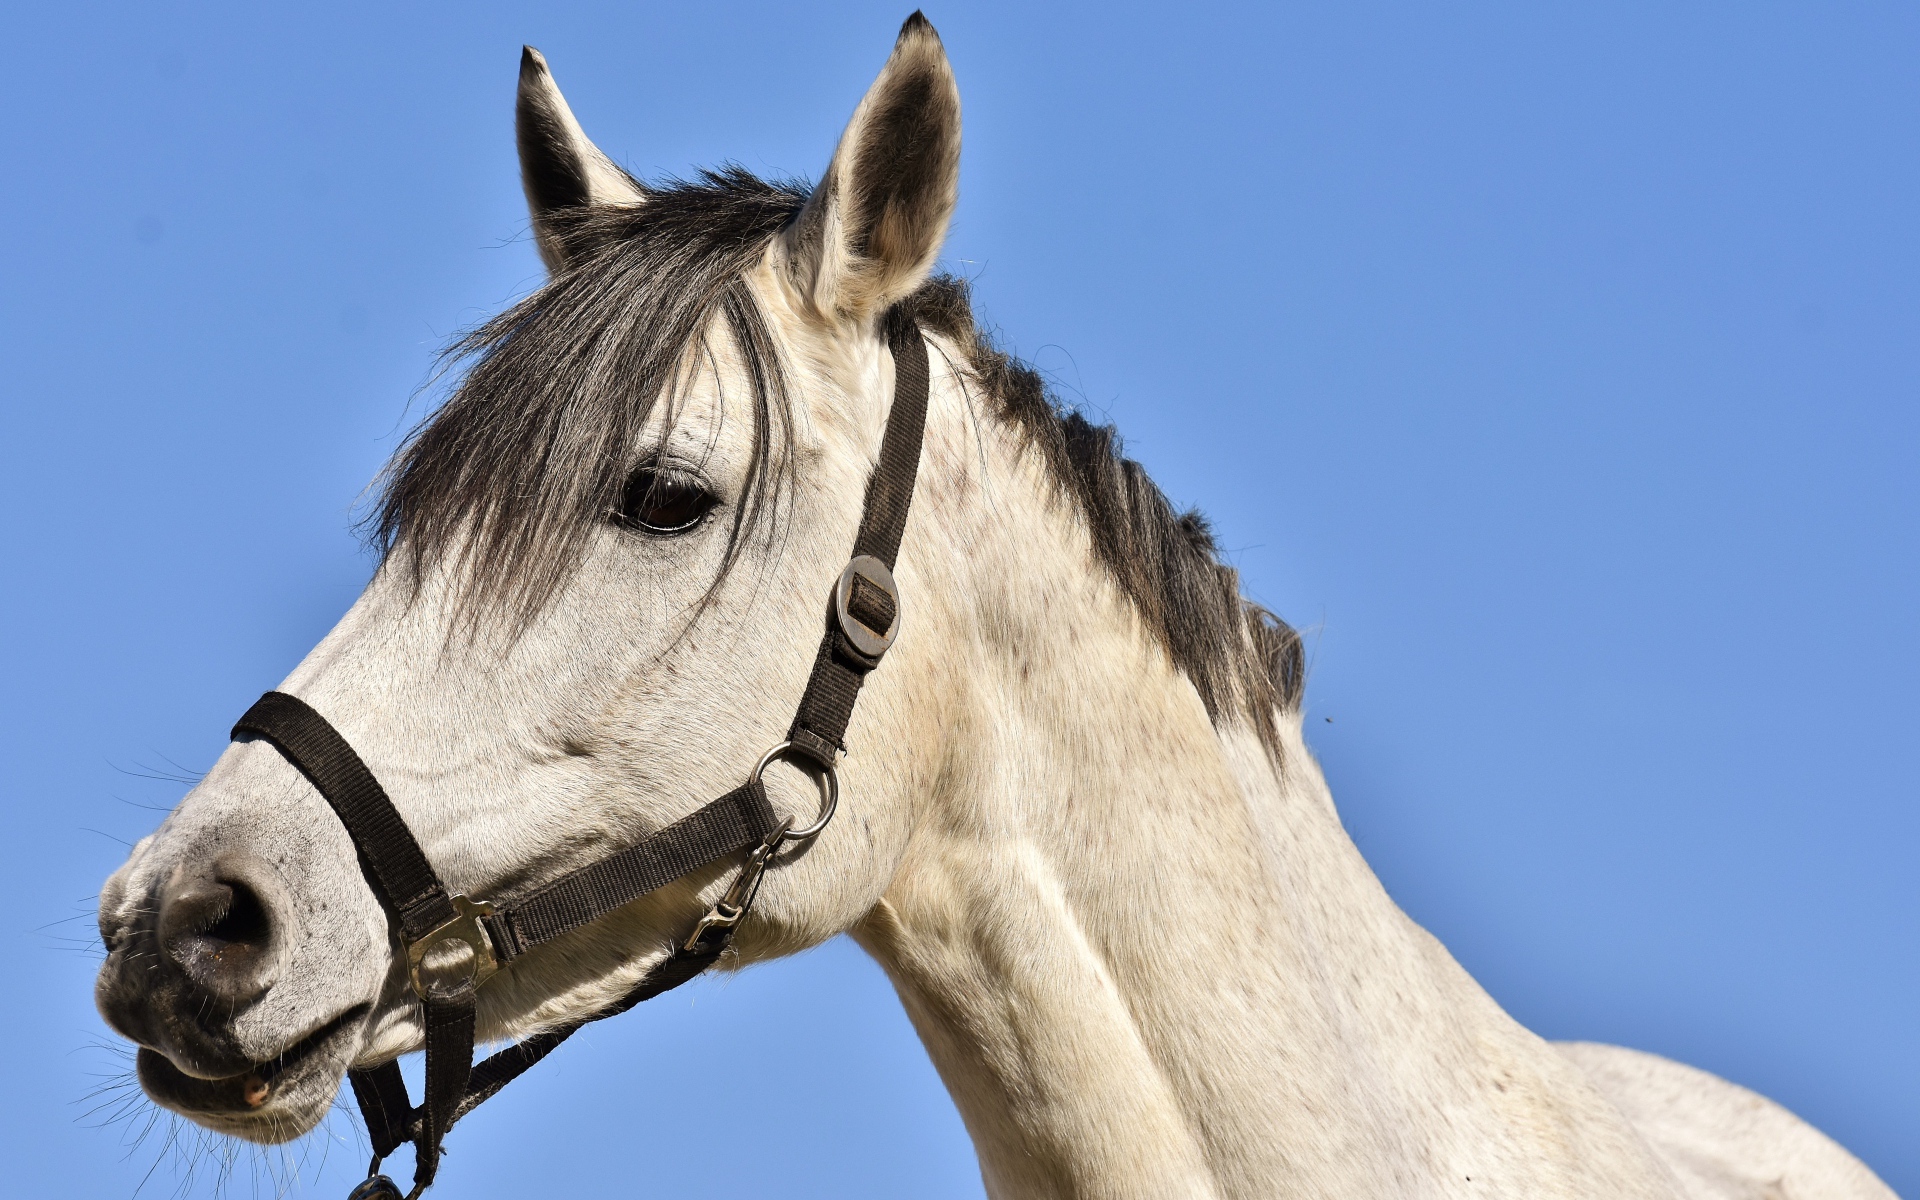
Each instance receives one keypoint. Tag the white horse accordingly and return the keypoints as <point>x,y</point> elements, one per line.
<point>1081,830</point>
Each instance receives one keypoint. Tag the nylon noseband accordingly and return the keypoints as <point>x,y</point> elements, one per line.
<point>453,943</point>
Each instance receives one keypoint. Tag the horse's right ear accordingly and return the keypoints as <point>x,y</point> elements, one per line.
<point>871,231</point>
<point>559,168</point>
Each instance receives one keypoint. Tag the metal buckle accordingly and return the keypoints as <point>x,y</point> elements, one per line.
<point>867,641</point>
<point>376,1186</point>
<point>466,929</point>
<point>732,908</point>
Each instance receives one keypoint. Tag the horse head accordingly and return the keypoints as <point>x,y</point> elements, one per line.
<point>604,562</point>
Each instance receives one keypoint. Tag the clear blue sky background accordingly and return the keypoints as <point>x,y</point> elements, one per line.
<point>1555,370</point>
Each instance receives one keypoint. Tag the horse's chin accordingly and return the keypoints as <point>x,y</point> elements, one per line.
<point>272,1102</point>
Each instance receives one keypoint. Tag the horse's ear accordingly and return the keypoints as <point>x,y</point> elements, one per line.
<point>872,229</point>
<point>559,167</point>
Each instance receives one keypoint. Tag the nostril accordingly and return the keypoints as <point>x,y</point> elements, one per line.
<point>220,933</point>
<point>244,924</point>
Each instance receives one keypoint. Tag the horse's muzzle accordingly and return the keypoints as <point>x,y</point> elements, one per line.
<point>186,963</point>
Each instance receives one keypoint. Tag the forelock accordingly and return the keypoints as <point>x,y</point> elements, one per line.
<point>507,481</point>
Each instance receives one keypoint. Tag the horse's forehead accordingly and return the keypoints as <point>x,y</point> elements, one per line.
<point>697,419</point>
<point>829,367</point>
<point>709,416</point>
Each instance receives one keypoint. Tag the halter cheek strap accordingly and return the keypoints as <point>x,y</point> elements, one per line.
<point>453,943</point>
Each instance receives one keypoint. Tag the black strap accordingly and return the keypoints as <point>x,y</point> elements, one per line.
<point>406,883</point>
<point>449,1066</point>
<point>382,1095</point>
<point>731,823</point>
<point>883,516</point>
<point>839,668</point>
<point>396,866</point>
<point>453,1085</point>
<point>503,1068</point>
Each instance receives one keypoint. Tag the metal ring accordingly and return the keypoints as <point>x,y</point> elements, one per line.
<point>828,781</point>
<point>466,929</point>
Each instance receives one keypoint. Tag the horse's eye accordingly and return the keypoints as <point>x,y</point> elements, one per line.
<point>662,502</point>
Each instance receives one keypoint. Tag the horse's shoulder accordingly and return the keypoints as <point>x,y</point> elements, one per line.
<point>1722,1141</point>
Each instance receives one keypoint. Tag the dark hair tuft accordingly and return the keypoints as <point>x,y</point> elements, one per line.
<point>1240,657</point>
<point>529,454</point>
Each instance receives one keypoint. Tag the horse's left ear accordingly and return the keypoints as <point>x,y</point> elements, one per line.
<point>872,229</point>
<point>559,168</point>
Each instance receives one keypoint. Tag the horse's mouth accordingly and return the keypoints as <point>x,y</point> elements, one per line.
<point>271,1101</point>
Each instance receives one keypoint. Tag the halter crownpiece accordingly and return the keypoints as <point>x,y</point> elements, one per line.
<point>453,943</point>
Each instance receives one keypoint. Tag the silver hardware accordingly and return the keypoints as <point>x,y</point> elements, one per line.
<point>732,908</point>
<point>465,929</point>
<point>870,642</point>
<point>377,1186</point>
<point>827,780</point>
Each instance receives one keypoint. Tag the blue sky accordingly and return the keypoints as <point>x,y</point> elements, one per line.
<point>1555,370</point>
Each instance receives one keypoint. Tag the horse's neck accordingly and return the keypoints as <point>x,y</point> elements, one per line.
<point>1147,959</point>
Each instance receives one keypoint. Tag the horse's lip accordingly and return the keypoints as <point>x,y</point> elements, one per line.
<point>248,1091</point>
<point>303,1049</point>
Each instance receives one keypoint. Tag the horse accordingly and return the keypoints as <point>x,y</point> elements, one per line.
<point>1081,829</point>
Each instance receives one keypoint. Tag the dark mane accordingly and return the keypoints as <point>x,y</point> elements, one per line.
<point>1240,657</point>
<point>513,472</point>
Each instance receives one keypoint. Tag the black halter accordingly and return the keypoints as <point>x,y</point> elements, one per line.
<point>862,621</point>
